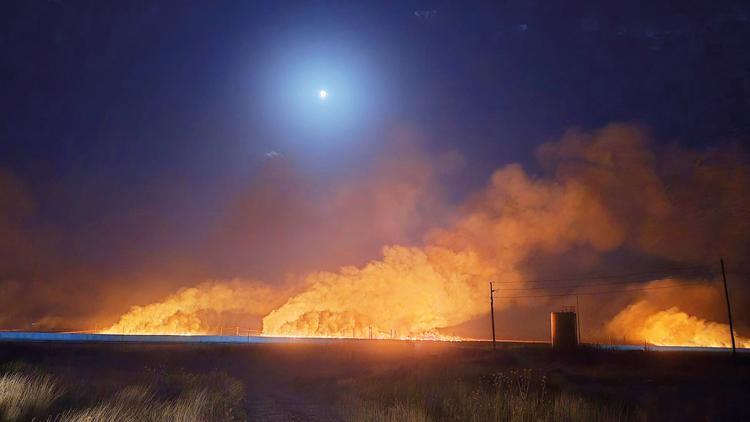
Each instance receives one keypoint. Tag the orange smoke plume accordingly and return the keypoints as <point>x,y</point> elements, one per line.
<point>411,291</point>
<point>603,192</point>
<point>642,322</point>
<point>197,310</point>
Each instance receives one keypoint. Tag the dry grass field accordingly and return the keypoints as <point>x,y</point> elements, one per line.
<point>364,381</point>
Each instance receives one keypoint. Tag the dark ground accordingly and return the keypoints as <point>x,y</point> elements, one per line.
<point>305,381</point>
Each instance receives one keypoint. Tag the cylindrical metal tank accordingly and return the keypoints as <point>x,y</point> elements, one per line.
<point>563,330</point>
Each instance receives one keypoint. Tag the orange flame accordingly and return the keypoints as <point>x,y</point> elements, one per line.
<point>411,293</point>
<point>196,310</point>
<point>671,327</point>
<point>418,291</point>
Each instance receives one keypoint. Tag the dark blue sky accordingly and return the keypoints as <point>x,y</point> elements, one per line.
<point>133,124</point>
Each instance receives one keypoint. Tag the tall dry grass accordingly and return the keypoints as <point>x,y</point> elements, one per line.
<point>23,396</point>
<point>171,396</point>
<point>178,397</point>
<point>193,406</point>
<point>508,396</point>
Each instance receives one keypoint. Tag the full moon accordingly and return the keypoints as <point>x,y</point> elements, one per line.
<point>323,94</point>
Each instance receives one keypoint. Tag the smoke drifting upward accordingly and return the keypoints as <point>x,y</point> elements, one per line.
<point>608,191</point>
<point>16,207</point>
<point>411,290</point>
<point>287,222</point>
<point>668,317</point>
<point>604,192</point>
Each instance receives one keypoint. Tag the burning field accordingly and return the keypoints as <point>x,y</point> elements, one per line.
<point>374,211</point>
<point>634,230</point>
<point>671,327</point>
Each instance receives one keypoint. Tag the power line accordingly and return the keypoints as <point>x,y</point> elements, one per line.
<point>601,293</point>
<point>603,276</point>
<point>571,286</point>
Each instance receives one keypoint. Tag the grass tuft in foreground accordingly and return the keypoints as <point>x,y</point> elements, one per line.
<point>191,406</point>
<point>24,396</point>
<point>166,396</point>
<point>518,395</point>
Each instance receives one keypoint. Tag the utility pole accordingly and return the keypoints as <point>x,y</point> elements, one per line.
<point>492,315</point>
<point>578,320</point>
<point>729,307</point>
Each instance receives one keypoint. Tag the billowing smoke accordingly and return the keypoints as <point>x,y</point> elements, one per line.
<point>642,322</point>
<point>413,291</point>
<point>605,193</point>
<point>668,317</point>
<point>16,206</point>
<point>203,309</point>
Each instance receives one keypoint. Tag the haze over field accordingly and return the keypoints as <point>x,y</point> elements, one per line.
<point>575,206</point>
<point>367,169</point>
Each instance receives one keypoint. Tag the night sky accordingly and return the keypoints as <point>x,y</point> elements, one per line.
<point>147,145</point>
